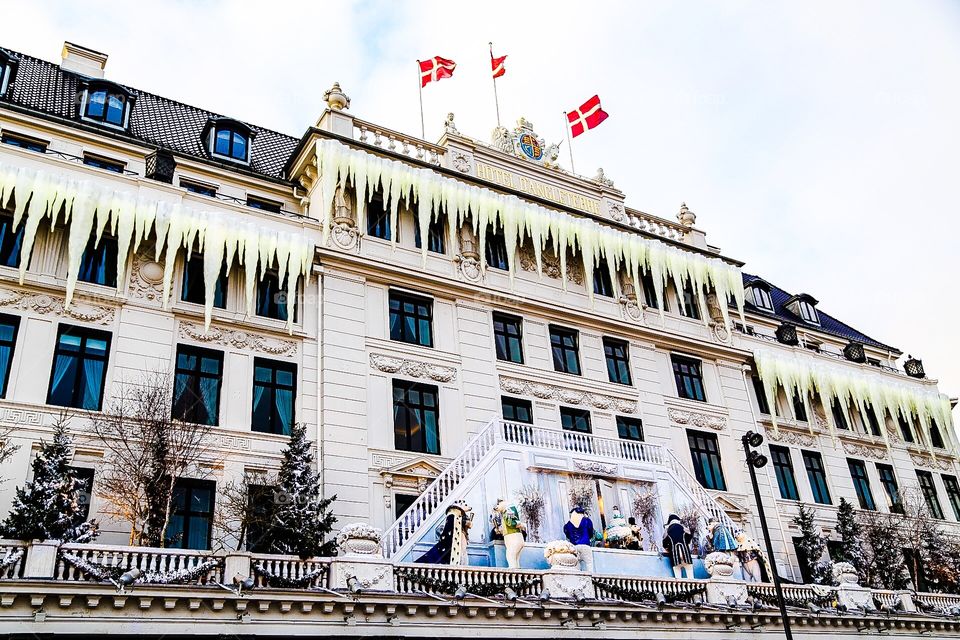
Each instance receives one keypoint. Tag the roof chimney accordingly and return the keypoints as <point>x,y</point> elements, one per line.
<point>82,60</point>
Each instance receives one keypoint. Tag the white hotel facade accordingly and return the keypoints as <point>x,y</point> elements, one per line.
<point>404,358</point>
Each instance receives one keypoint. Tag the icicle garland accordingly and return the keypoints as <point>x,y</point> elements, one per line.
<point>436,195</point>
<point>307,580</point>
<point>92,209</point>
<point>835,383</point>
<point>105,573</point>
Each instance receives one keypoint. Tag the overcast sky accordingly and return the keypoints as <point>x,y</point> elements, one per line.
<point>817,141</point>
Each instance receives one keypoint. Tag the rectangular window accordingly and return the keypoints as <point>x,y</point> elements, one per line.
<point>194,289</point>
<point>689,378</point>
<point>929,490</point>
<point>706,459</point>
<point>402,502</point>
<point>602,284</point>
<point>9,328</point>
<point>274,396</point>
<point>516,409</point>
<point>495,249</point>
<point>576,422</point>
<point>84,476</point>
<point>23,142</point>
<point>630,428</point>
<point>890,487</point>
<point>783,467</point>
<point>191,519</point>
<point>566,350</point>
<point>436,235</point>
<point>79,368</point>
<point>260,499</point>
<point>953,493</point>
<point>649,291</point>
<point>272,298</point>
<point>411,319</point>
<point>758,390</point>
<point>196,386</point>
<point>617,353</point>
<point>873,423</point>
<point>905,429</point>
<point>416,417</point>
<point>98,265</point>
<point>936,439</point>
<point>508,336</point>
<point>264,205</point>
<point>689,305</point>
<point>861,484</point>
<point>378,218</point>
<point>799,408</point>
<point>199,189</point>
<point>813,463</point>
<point>103,163</point>
<point>839,419</point>
<point>11,241</point>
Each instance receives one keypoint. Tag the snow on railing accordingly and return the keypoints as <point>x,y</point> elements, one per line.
<point>414,578</point>
<point>152,560</point>
<point>12,554</point>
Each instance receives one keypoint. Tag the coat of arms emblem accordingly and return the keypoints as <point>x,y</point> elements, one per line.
<point>524,143</point>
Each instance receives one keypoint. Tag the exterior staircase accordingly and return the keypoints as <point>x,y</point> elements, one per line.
<point>498,436</point>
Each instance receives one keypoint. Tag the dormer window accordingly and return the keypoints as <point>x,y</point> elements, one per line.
<point>106,103</point>
<point>808,312</point>
<point>804,306</point>
<point>8,69</point>
<point>760,295</point>
<point>229,139</point>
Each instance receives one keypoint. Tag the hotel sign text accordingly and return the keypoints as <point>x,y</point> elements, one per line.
<point>537,188</point>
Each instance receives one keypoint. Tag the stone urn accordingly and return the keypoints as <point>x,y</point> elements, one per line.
<point>845,573</point>
<point>560,554</point>
<point>360,539</point>
<point>719,564</point>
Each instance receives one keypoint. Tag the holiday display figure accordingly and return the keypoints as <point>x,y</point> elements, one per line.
<point>749,553</point>
<point>636,542</point>
<point>580,532</point>
<point>451,546</point>
<point>676,540</point>
<point>618,533</point>
<point>720,536</point>
<point>506,520</point>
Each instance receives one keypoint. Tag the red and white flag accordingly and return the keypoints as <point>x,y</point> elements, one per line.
<point>497,65</point>
<point>588,116</point>
<point>436,68</point>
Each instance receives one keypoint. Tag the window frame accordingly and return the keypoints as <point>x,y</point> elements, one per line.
<point>11,240</point>
<point>436,235</point>
<point>952,487</point>
<point>821,489</point>
<point>195,262</point>
<point>782,461</point>
<point>85,334</point>
<point>199,353</point>
<point>106,251</point>
<point>630,429</point>
<point>930,496</point>
<point>272,386</point>
<point>236,129</point>
<point>189,485</point>
<point>495,250</point>
<point>706,458</point>
<point>264,204</point>
<point>557,336</point>
<point>378,225</point>
<point>678,362</point>
<point>515,403</point>
<point>602,282</point>
<point>891,487</point>
<point>403,298</point>
<point>109,90</point>
<point>269,276</point>
<point>808,312</point>
<point>650,291</point>
<point>198,188</point>
<point>83,476</point>
<point>507,320</point>
<point>861,484</point>
<point>13,321</point>
<point>618,365</point>
<point>105,164</point>
<point>761,298</point>
<point>408,409</point>
<point>577,418</point>
<point>688,304</point>
<point>26,143</point>
<point>763,406</point>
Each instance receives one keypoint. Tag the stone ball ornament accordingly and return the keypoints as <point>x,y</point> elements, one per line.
<point>359,539</point>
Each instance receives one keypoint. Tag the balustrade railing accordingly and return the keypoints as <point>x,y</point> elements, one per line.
<point>148,559</point>
<point>12,555</point>
<point>666,586</point>
<point>413,578</point>
<point>396,142</point>
<point>276,570</point>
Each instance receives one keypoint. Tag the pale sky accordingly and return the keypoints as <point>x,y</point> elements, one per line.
<point>816,141</point>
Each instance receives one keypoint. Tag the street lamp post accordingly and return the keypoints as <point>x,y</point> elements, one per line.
<point>755,460</point>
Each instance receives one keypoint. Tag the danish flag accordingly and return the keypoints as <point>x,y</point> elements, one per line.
<point>588,116</point>
<point>497,65</point>
<point>436,68</point>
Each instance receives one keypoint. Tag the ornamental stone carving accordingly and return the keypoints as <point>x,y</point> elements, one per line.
<point>864,451</point>
<point>681,416</point>
<point>615,211</point>
<point>462,161</point>
<point>413,368</point>
<point>595,467</point>
<point>238,339</point>
<point>550,264</point>
<point>791,437</point>
<point>566,395</point>
<point>926,461</point>
<point>20,416</point>
<point>630,309</point>
<point>43,303</point>
<point>146,278</point>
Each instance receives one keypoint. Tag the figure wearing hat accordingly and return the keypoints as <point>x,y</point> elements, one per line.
<point>580,532</point>
<point>749,553</point>
<point>676,541</point>
<point>506,519</point>
<point>452,539</point>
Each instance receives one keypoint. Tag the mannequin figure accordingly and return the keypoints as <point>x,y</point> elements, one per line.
<point>451,546</point>
<point>676,540</point>
<point>619,535</point>
<point>749,553</point>
<point>512,530</point>
<point>720,536</point>
<point>580,532</point>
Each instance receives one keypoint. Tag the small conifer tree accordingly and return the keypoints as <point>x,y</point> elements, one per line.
<point>812,546</point>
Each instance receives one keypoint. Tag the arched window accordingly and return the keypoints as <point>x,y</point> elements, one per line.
<point>229,139</point>
<point>106,103</point>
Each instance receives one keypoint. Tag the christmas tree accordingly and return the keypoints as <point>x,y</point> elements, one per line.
<point>851,538</point>
<point>301,517</point>
<point>886,568</point>
<point>48,507</point>
<point>811,547</point>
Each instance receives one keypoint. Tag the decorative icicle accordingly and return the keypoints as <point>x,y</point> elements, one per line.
<point>520,221</point>
<point>845,386</point>
<point>91,209</point>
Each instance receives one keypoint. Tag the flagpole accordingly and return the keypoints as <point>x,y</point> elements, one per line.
<point>496,99</point>
<point>423,133</point>
<point>566,127</point>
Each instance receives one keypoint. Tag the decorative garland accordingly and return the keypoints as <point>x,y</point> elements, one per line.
<point>283,582</point>
<point>105,574</point>
<point>10,559</point>
<point>450,587</point>
<point>646,595</point>
<point>771,599</point>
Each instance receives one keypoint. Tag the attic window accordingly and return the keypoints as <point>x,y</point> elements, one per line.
<point>229,139</point>
<point>106,103</point>
<point>808,312</point>
<point>761,297</point>
<point>8,68</point>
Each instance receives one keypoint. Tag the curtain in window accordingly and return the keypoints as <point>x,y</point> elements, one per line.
<point>63,367</point>
<point>92,383</point>
<point>207,412</point>
<point>284,402</point>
